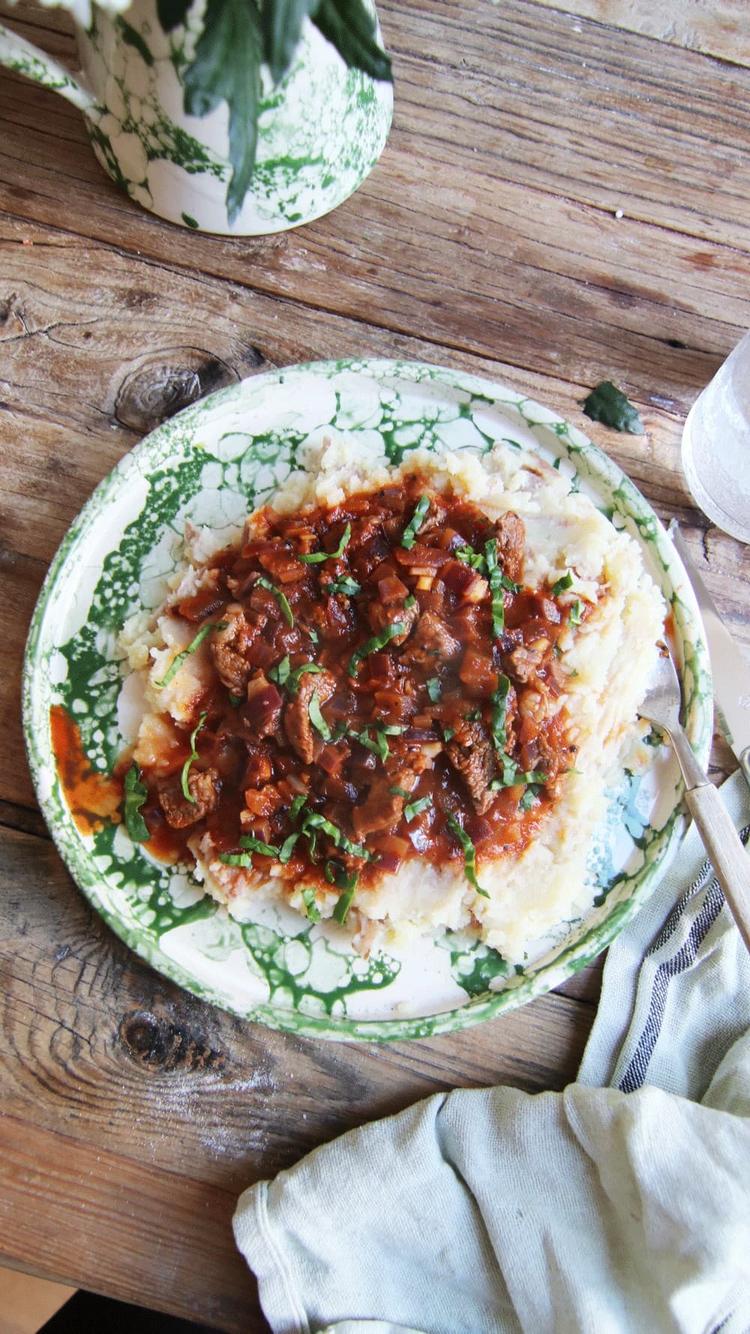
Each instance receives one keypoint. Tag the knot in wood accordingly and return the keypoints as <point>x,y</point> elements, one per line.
<point>162,383</point>
<point>158,1043</point>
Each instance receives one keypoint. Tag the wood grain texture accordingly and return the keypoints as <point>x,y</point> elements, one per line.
<point>131,1114</point>
<point>715,27</point>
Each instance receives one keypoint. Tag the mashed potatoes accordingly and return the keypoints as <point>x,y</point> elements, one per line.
<point>605,660</point>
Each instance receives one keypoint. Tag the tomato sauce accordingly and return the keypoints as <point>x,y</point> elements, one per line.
<point>380,666</point>
<point>92,797</point>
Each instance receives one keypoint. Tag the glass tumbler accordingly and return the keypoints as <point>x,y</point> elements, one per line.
<point>716,445</point>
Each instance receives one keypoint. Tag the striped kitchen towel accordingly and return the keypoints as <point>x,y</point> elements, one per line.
<point>618,1206</point>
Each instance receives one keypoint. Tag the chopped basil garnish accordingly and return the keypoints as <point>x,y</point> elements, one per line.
<point>499,714</point>
<point>316,557</point>
<point>287,847</point>
<point>185,775</point>
<point>529,797</point>
<point>250,845</point>
<point>194,644</point>
<point>296,806</point>
<point>281,598</point>
<point>343,586</point>
<point>315,637</point>
<point>317,719</point>
<point>136,793</point>
<point>448,733</point>
<point>409,602</point>
<point>235,700</point>
<point>311,906</point>
<point>253,844</point>
<point>286,675</point>
<point>562,584</point>
<point>399,791</point>
<point>512,776</point>
<point>280,673</point>
<point>470,855</point>
<point>313,821</point>
<point>416,808</point>
<point>471,557</point>
<point>382,731</point>
<point>495,576</point>
<point>344,903</point>
<point>373,645</point>
<point>434,689</point>
<point>575,612</point>
<point>297,673</point>
<point>415,523</point>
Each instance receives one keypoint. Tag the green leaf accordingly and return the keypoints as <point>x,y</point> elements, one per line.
<point>499,713</point>
<point>346,586</point>
<point>373,645</point>
<point>471,557</point>
<point>136,793</point>
<point>172,13</point>
<point>470,855</point>
<point>251,845</point>
<point>317,719</point>
<point>350,27</point>
<point>194,644</point>
<point>185,775</point>
<point>416,807</point>
<point>563,584</point>
<point>288,846</point>
<point>607,404</point>
<point>495,576</point>
<point>316,557</point>
<point>313,821</point>
<point>280,673</point>
<point>282,28</point>
<point>344,902</point>
<point>226,68</point>
<point>434,689</point>
<point>415,523</point>
<point>281,598</point>
<point>311,904</point>
<point>575,612</point>
<point>296,807</point>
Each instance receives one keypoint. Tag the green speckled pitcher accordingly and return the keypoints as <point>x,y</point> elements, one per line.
<point>321,129</point>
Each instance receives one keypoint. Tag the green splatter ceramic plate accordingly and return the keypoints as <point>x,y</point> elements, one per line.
<point>211,464</point>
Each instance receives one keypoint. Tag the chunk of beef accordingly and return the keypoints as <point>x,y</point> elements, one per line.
<point>382,615</point>
<point>262,712</point>
<point>381,810</point>
<point>205,786</point>
<point>297,725</point>
<point>511,542</point>
<point>431,639</point>
<point>229,647</point>
<point>525,660</point>
<point>471,754</point>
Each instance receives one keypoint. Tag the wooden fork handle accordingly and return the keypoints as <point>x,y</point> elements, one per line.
<point>729,858</point>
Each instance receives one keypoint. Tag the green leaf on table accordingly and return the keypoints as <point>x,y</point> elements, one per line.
<point>172,13</point>
<point>226,68</point>
<point>607,404</point>
<point>350,27</point>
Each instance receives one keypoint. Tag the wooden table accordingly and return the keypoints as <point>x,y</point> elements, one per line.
<point>560,201</point>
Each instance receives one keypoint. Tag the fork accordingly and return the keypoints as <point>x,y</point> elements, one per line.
<point>720,838</point>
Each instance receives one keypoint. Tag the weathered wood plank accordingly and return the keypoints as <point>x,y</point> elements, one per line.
<point>152,1110</point>
<point>100,1223</point>
<point>715,27</point>
<point>142,339</point>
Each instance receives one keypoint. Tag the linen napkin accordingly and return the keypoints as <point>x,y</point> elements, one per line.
<point>620,1204</point>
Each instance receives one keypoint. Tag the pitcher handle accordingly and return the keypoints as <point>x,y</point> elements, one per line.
<point>25,58</point>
